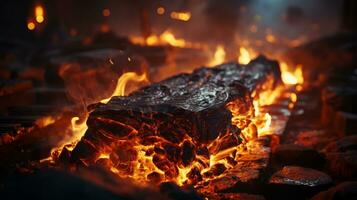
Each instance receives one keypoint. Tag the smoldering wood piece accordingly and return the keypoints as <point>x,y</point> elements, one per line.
<point>191,105</point>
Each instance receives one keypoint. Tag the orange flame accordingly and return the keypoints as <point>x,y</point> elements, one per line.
<point>122,81</point>
<point>243,56</point>
<point>291,77</point>
<point>39,14</point>
<point>219,56</point>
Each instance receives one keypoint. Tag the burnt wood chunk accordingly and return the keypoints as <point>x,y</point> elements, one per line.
<point>182,111</point>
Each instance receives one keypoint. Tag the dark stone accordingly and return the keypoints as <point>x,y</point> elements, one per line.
<point>344,144</point>
<point>316,139</point>
<point>343,191</point>
<point>292,154</point>
<point>302,182</point>
<point>343,165</point>
<point>345,123</point>
<point>176,193</point>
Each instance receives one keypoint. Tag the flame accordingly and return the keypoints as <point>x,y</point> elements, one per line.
<point>45,121</point>
<point>170,39</point>
<point>183,16</point>
<point>244,56</point>
<point>219,56</point>
<point>291,77</point>
<point>39,14</point>
<point>122,81</point>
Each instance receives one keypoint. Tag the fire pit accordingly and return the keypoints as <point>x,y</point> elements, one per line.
<point>240,108</point>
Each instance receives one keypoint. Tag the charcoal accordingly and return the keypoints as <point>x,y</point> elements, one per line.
<point>293,154</point>
<point>184,112</point>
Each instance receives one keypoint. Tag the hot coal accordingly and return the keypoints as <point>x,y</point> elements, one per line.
<point>178,115</point>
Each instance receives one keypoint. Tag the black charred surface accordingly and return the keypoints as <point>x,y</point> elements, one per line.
<point>187,104</point>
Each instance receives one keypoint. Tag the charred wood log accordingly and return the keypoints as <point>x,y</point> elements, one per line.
<point>179,114</point>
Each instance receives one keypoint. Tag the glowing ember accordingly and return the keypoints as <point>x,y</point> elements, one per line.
<point>31,26</point>
<point>244,56</point>
<point>106,12</point>
<point>122,81</point>
<point>160,10</point>
<point>183,16</point>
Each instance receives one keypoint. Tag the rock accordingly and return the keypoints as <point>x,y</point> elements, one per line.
<point>337,99</point>
<point>293,154</point>
<point>345,190</point>
<point>302,182</point>
<point>345,123</point>
<point>174,192</point>
<point>316,139</point>
<point>343,165</point>
<point>348,143</point>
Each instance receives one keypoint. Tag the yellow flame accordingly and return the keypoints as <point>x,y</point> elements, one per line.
<point>122,81</point>
<point>45,121</point>
<point>291,77</point>
<point>183,16</point>
<point>244,56</point>
<point>39,13</point>
<point>219,56</point>
<point>169,38</point>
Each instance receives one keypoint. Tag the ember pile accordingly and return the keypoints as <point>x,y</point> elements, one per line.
<point>184,129</point>
<point>241,114</point>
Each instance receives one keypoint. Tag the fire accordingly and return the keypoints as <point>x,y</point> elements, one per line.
<point>219,56</point>
<point>243,56</point>
<point>122,81</point>
<point>39,14</point>
<point>291,77</point>
<point>169,38</point>
<point>183,16</point>
<point>76,131</point>
<point>166,37</point>
<point>45,121</point>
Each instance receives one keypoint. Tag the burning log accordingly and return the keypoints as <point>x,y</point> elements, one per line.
<point>173,125</point>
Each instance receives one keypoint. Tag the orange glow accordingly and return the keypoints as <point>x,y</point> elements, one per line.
<point>219,56</point>
<point>291,77</point>
<point>169,38</point>
<point>270,38</point>
<point>160,10</point>
<point>31,26</point>
<point>183,16</point>
<point>106,12</point>
<point>39,13</point>
<point>76,131</point>
<point>244,56</point>
<point>45,121</point>
<point>253,29</point>
<point>121,84</point>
